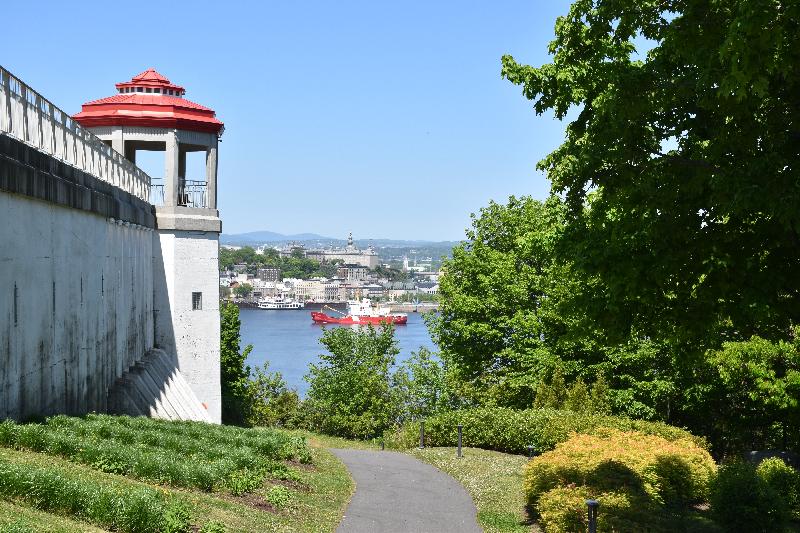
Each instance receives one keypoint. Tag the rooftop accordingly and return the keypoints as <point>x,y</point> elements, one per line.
<point>150,100</point>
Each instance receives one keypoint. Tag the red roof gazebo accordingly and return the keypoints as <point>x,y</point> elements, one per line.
<point>149,112</point>
<point>149,100</point>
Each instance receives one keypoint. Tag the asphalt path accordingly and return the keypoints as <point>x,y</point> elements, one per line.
<point>396,493</point>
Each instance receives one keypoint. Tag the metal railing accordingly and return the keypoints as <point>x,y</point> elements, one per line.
<point>29,117</point>
<point>192,193</point>
<point>157,193</point>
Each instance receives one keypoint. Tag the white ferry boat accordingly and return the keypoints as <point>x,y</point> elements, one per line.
<point>279,303</point>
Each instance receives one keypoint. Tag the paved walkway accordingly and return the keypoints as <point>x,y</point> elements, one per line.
<point>396,493</point>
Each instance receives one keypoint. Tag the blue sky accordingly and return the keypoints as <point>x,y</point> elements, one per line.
<point>385,119</point>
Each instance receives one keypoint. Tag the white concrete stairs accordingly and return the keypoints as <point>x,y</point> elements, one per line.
<point>154,387</point>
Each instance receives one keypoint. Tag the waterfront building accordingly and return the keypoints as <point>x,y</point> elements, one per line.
<point>308,289</point>
<point>269,274</point>
<point>428,287</point>
<point>352,272</point>
<point>350,255</point>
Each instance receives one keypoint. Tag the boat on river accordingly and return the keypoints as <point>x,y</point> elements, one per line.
<point>279,303</point>
<point>360,313</point>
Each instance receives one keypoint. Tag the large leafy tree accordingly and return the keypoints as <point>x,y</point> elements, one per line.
<point>500,323</point>
<point>350,392</point>
<point>680,167</point>
<point>513,314</point>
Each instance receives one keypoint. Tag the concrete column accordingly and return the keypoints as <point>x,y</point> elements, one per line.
<point>211,175</point>
<point>130,152</point>
<point>117,142</point>
<point>171,170</point>
<point>182,163</point>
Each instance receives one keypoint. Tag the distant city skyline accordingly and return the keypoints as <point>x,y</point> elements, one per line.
<point>388,120</point>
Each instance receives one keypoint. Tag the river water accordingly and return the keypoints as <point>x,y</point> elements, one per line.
<point>290,341</point>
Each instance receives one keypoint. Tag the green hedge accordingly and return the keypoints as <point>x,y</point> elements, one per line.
<point>642,482</point>
<point>511,431</point>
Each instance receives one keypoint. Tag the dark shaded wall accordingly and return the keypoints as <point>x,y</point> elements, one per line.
<point>76,285</point>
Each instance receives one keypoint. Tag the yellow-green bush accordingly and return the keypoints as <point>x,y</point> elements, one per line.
<point>563,510</point>
<point>784,480</point>
<point>634,476</point>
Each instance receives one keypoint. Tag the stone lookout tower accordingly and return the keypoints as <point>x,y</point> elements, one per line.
<point>150,113</point>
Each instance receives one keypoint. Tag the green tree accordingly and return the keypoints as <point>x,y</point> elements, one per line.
<point>234,373</point>
<point>680,166</point>
<point>350,391</point>
<point>271,403</point>
<point>420,386</point>
<point>755,394</point>
<point>498,321</point>
<point>243,290</point>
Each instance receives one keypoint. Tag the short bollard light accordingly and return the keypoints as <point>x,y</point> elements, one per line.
<point>460,427</point>
<point>422,434</point>
<point>530,451</point>
<point>383,444</point>
<point>592,505</point>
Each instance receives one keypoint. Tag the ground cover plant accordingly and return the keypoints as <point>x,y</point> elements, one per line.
<point>141,509</point>
<point>182,454</point>
<point>643,482</point>
<point>308,497</point>
<point>512,431</point>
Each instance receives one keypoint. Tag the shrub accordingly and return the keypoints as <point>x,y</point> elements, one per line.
<point>784,480</point>
<point>212,527</point>
<point>563,510</point>
<point>637,478</point>
<point>511,431</point>
<point>744,502</point>
<point>279,496</point>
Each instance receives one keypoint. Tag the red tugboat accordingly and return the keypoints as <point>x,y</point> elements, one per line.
<point>360,313</point>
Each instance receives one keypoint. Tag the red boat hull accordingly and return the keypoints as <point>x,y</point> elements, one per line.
<point>322,318</point>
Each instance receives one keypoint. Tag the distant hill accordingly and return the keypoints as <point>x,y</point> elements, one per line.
<point>260,237</point>
<point>263,237</point>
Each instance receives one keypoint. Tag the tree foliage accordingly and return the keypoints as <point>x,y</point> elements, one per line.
<point>234,373</point>
<point>243,290</point>
<point>420,385</point>
<point>350,391</point>
<point>680,167</point>
<point>295,266</point>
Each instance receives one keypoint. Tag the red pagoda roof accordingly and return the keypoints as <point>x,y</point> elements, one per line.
<point>149,100</point>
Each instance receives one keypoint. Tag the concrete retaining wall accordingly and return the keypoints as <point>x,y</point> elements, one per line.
<point>76,285</point>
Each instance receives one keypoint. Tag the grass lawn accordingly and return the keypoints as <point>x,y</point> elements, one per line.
<point>326,441</point>
<point>311,499</point>
<point>493,479</point>
<point>21,519</point>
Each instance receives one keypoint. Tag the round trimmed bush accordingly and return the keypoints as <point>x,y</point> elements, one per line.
<point>635,477</point>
